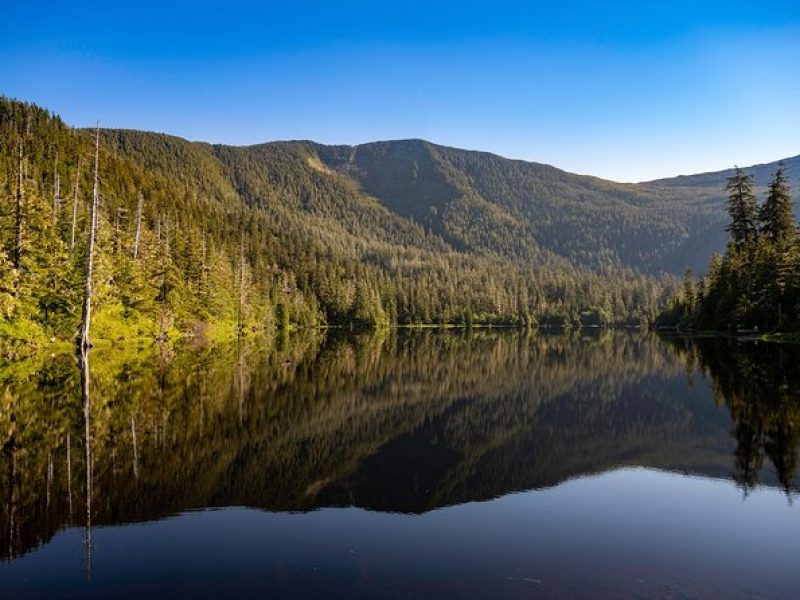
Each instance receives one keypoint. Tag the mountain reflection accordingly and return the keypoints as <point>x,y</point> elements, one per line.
<point>393,422</point>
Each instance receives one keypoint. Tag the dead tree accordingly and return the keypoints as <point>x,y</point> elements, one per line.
<point>75,206</point>
<point>138,227</point>
<point>240,325</point>
<point>135,449</point>
<point>56,190</point>
<point>18,214</point>
<point>87,291</point>
<point>69,476</point>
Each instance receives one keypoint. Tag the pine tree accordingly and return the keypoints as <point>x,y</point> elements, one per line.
<point>18,212</point>
<point>757,283</point>
<point>742,208</point>
<point>776,215</point>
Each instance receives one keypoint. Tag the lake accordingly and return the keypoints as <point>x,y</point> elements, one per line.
<point>417,464</point>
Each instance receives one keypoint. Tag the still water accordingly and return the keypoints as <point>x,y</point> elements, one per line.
<point>409,465</point>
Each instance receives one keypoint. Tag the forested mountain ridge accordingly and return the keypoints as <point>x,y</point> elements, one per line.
<point>478,202</point>
<point>709,189</point>
<point>518,209</point>
<point>481,202</point>
<point>712,184</point>
<point>284,234</point>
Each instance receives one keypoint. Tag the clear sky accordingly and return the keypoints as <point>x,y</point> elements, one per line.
<point>628,90</point>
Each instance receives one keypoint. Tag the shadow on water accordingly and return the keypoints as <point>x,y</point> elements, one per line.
<point>399,422</point>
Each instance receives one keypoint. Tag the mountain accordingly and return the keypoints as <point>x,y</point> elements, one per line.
<point>709,189</point>
<point>519,209</point>
<point>712,184</point>
<point>300,234</point>
<point>482,203</point>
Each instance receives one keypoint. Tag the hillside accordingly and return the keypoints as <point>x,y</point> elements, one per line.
<point>479,201</point>
<point>709,189</point>
<point>297,234</point>
<point>482,203</point>
<point>712,184</point>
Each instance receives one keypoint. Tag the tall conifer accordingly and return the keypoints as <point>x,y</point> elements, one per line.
<point>776,216</point>
<point>742,208</point>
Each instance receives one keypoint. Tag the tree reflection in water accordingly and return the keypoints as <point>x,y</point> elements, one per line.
<point>395,421</point>
<point>758,383</point>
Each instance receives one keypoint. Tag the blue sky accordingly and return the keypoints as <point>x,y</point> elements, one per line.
<point>624,90</point>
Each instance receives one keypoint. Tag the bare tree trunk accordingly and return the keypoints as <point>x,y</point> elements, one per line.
<point>163,242</point>
<point>204,268</point>
<point>135,449</point>
<point>11,449</point>
<point>87,292</point>
<point>241,283</point>
<point>18,215</point>
<point>69,476</point>
<point>56,190</point>
<point>49,476</point>
<point>75,206</point>
<point>240,362</point>
<point>138,227</point>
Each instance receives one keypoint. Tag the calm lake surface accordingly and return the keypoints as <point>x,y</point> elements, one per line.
<point>405,465</point>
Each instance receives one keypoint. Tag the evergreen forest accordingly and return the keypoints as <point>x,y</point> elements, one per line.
<point>199,240</point>
<point>754,287</point>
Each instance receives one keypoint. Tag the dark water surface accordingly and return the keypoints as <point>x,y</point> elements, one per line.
<point>410,465</point>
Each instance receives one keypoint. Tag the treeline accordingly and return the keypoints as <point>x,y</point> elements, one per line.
<point>166,260</point>
<point>199,239</point>
<point>755,285</point>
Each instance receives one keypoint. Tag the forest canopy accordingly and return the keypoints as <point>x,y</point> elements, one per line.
<point>755,285</point>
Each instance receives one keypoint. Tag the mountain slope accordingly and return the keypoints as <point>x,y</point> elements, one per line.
<point>707,233</point>
<point>517,208</point>
<point>481,203</point>
<point>300,234</point>
<point>712,184</point>
<point>195,238</point>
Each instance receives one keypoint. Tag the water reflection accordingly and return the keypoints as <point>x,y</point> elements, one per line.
<point>402,422</point>
<point>757,383</point>
<point>86,401</point>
